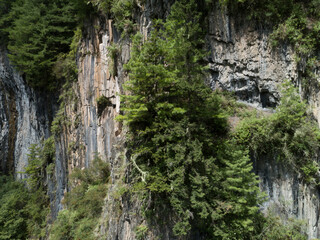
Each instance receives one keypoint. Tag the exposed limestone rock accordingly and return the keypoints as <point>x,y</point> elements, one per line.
<point>243,60</point>
<point>102,135</point>
<point>89,134</point>
<point>288,195</point>
<point>24,118</point>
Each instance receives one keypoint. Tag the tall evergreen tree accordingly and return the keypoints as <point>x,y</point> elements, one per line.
<point>41,30</point>
<point>6,16</point>
<point>177,132</point>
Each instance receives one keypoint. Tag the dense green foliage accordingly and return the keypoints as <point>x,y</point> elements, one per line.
<point>289,135</point>
<point>113,51</point>
<point>23,210</point>
<point>83,203</point>
<point>38,35</point>
<point>177,130</point>
<point>37,205</point>
<point>39,32</point>
<point>66,68</point>
<point>275,228</point>
<point>119,10</point>
<point>13,215</point>
<point>6,16</point>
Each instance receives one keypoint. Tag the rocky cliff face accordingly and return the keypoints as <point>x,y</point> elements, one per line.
<point>288,195</point>
<point>242,60</point>
<point>90,134</point>
<point>96,133</point>
<point>24,118</point>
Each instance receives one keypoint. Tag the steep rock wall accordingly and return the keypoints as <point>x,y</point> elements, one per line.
<point>244,62</point>
<point>24,118</point>
<point>288,195</point>
<point>89,134</point>
<point>241,60</point>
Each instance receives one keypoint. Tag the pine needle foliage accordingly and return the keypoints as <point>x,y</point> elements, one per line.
<point>39,30</point>
<point>177,133</point>
<point>122,11</point>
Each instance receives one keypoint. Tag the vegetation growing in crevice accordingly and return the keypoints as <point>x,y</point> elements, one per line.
<point>83,203</point>
<point>290,135</point>
<point>121,11</point>
<point>61,120</point>
<point>279,228</point>
<point>67,69</point>
<point>141,232</point>
<point>113,51</point>
<point>102,103</point>
<point>12,113</point>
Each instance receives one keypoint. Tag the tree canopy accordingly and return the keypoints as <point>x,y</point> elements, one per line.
<point>36,32</point>
<point>42,30</point>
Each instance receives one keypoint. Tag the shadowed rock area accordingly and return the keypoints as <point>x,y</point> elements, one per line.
<point>24,118</point>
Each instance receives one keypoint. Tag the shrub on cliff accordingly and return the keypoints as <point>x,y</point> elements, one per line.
<point>279,228</point>
<point>24,208</point>
<point>83,203</point>
<point>13,216</point>
<point>290,135</point>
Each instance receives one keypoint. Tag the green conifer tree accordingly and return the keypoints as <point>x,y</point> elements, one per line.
<point>177,133</point>
<point>40,31</point>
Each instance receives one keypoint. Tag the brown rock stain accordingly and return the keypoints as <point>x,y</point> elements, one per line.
<point>13,114</point>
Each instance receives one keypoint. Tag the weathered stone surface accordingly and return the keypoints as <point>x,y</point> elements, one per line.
<point>89,134</point>
<point>24,118</point>
<point>102,135</point>
<point>243,60</point>
<point>288,195</point>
